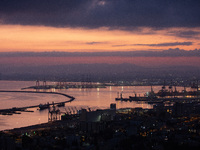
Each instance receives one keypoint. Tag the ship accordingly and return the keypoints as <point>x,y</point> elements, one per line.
<point>147,96</point>
<point>62,104</point>
<point>44,106</point>
<point>121,97</point>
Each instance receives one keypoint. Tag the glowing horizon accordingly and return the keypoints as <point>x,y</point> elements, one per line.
<point>16,38</point>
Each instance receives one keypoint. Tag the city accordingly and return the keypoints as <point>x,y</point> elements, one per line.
<point>167,125</point>
<point>163,127</point>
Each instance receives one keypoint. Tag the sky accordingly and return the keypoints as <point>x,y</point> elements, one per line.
<point>99,26</point>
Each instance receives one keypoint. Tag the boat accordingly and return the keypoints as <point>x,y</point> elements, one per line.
<point>149,96</point>
<point>132,98</point>
<point>62,104</point>
<point>44,106</point>
<point>121,98</point>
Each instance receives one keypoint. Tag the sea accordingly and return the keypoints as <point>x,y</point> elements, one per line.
<point>96,98</point>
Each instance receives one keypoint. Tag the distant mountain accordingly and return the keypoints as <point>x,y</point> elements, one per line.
<point>97,72</point>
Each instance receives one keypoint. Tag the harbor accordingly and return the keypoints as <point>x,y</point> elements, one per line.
<point>84,98</point>
<point>90,116</point>
<point>99,98</point>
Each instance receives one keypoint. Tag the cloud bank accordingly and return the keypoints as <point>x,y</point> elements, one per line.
<point>165,53</point>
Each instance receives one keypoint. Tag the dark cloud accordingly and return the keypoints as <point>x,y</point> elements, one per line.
<point>124,14</point>
<point>168,44</point>
<point>186,34</point>
<point>160,44</point>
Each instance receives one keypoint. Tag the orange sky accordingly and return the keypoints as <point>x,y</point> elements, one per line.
<point>40,38</point>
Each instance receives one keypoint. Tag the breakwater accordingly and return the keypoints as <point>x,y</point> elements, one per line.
<point>71,98</point>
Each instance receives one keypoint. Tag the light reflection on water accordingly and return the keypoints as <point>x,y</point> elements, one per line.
<point>99,98</point>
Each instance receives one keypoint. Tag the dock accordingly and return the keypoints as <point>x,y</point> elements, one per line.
<point>156,100</point>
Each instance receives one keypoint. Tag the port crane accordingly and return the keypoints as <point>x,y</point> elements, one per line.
<point>89,109</point>
<point>70,112</point>
<point>76,109</point>
<point>73,110</point>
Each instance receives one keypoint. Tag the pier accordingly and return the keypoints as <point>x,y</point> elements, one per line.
<point>71,98</point>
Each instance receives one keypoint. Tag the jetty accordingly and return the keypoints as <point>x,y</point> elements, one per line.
<point>14,109</point>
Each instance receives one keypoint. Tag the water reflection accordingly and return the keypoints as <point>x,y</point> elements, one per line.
<point>99,98</point>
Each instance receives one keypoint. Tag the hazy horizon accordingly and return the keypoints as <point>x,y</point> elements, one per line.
<point>153,34</point>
